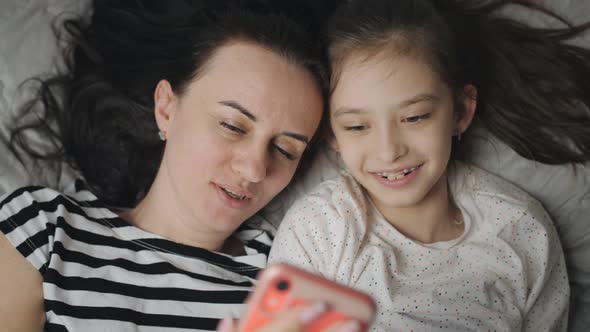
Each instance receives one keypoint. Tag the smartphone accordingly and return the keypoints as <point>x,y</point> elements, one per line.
<point>282,286</point>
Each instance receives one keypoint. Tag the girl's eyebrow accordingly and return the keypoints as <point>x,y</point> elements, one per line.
<point>348,110</point>
<point>420,98</point>
<point>423,97</point>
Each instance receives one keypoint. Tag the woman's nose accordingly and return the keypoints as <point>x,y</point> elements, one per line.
<point>252,164</point>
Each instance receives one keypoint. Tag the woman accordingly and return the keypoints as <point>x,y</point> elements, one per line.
<point>185,119</point>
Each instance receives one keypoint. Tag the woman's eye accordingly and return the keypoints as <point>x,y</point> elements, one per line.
<point>232,128</point>
<point>283,152</point>
<point>416,118</point>
<point>355,128</point>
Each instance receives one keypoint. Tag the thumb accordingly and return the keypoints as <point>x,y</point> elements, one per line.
<point>295,320</point>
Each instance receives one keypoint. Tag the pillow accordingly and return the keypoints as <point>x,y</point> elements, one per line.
<point>29,49</point>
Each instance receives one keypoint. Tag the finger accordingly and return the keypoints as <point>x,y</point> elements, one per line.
<point>227,325</point>
<point>295,320</point>
<point>347,326</point>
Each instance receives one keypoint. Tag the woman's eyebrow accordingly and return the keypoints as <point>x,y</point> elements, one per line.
<point>296,136</point>
<point>235,105</point>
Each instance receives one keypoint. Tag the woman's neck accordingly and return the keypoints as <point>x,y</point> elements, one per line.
<point>160,213</point>
<point>435,218</point>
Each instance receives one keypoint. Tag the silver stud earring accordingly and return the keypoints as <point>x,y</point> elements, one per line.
<point>457,133</point>
<point>162,136</point>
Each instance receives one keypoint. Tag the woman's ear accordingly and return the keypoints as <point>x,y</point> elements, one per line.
<point>164,103</point>
<point>468,103</point>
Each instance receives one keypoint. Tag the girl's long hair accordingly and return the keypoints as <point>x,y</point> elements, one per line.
<point>533,87</point>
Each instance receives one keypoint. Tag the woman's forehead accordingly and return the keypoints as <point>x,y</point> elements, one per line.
<point>260,81</point>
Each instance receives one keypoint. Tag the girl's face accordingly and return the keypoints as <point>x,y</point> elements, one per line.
<point>235,137</point>
<point>393,122</point>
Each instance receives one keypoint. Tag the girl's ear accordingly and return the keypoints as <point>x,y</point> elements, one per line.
<point>468,104</point>
<point>331,139</point>
<point>332,143</point>
<point>164,103</point>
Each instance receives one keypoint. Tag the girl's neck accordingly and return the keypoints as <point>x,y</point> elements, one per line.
<point>160,213</point>
<point>434,219</point>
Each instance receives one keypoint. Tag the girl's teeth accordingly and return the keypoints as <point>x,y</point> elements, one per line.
<point>397,176</point>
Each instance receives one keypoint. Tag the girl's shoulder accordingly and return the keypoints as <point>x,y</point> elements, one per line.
<point>339,193</point>
<point>335,205</point>
<point>495,200</point>
<point>483,185</point>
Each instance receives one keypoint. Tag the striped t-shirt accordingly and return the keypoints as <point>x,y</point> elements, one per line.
<point>102,274</point>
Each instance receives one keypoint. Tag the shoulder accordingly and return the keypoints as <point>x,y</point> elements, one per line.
<point>335,209</point>
<point>323,229</point>
<point>44,204</point>
<point>24,197</point>
<point>499,202</point>
<point>341,197</point>
<point>485,184</point>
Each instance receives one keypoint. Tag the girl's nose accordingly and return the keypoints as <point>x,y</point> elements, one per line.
<point>391,145</point>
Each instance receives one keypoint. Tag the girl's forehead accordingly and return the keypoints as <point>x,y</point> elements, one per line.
<point>377,82</point>
<point>395,71</point>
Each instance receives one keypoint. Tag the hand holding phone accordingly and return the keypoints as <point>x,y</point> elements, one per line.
<point>283,287</point>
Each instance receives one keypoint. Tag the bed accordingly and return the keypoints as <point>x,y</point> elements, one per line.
<point>29,48</point>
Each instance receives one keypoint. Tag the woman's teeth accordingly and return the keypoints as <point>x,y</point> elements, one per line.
<point>234,195</point>
<point>398,175</point>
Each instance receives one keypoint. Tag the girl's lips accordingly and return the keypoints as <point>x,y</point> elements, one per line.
<point>398,183</point>
<point>400,170</point>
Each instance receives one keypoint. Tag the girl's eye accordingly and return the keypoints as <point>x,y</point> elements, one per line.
<point>355,128</point>
<point>232,128</point>
<point>284,153</point>
<point>416,118</point>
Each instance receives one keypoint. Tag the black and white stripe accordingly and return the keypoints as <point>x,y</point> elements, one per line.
<point>102,274</point>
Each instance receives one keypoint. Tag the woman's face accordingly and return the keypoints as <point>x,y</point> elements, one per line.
<point>236,135</point>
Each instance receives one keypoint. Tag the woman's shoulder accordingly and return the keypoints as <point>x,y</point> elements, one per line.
<point>25,196</point>
<point>27,202</point>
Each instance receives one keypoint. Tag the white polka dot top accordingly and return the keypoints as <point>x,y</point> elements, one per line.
<point>505,273</point>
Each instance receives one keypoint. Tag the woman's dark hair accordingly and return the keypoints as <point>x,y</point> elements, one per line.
<point>100,111</point>
<point>533,88</point>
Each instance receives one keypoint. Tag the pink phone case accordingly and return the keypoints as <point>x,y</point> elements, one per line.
<point>282,286</point>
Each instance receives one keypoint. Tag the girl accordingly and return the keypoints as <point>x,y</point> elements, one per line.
<point>438,243</point>
<point>185,118</point>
